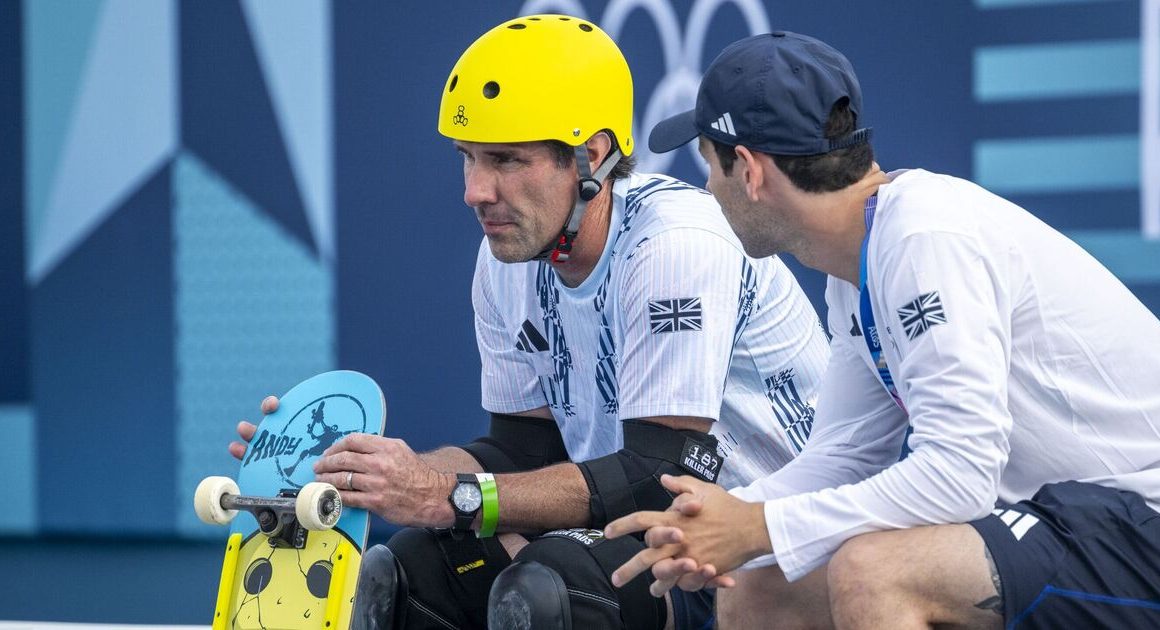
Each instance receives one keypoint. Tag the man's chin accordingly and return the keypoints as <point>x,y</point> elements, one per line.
<point>759,250</point>
<point>507,252</point>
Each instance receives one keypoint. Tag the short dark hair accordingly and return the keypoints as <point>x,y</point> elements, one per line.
<point>566,155</point>
<point>824,172</point>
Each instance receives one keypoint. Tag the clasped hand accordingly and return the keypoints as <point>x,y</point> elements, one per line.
<point>694,542</point>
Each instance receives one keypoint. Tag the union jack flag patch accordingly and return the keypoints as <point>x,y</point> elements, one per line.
<point>674,315</point>
<point>918,316</point>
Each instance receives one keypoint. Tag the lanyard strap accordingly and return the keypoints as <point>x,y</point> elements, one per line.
<point>869,330</point>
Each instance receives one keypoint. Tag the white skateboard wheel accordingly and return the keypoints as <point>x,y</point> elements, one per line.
<point>311,506</point>
<point>207,500</point>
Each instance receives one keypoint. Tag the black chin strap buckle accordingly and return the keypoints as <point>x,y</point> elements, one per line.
<point>589,188</point>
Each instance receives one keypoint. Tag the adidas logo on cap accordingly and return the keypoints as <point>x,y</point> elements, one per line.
<point>724,124</point>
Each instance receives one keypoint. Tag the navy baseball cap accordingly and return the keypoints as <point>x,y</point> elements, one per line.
<point>772,93</point>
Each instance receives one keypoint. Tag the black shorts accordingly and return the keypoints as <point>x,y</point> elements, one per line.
<point>1077,555</point>
<point>693,610</point>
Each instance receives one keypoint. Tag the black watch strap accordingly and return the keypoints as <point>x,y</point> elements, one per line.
<point>463,520</point>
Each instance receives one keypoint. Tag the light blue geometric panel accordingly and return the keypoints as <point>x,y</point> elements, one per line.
<point>1131,257</point>
<point>121,129</point>
<point>1150,118</point>
<point>292,42</point>
<point>17,470</point>
<point>255,315</point>
<point>1062,164</point>
<point>1005,4</point>
<point>562,7</point>
<point>57,36</point>
<point>1057,70</point>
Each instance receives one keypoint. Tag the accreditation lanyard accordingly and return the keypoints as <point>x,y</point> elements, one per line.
<point>869,330</point>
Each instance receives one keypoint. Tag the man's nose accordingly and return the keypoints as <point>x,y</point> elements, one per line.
<point>478,187</point>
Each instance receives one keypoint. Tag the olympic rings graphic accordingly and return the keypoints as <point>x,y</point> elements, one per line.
<point>677,90</point>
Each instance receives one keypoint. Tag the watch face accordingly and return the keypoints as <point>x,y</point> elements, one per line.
<point>467,497</point>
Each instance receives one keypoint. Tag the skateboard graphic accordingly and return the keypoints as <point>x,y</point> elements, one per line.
<point>293,554</point>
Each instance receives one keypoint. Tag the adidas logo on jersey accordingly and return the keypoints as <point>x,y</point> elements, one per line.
<point>1019,522</point>
<point>529,339</point>
<point>724,124</point>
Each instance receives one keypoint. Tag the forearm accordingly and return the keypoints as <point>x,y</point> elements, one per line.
<point>561,495</point>
<point>549,498</point>
<point>451,459</point>
<point>930,487</point>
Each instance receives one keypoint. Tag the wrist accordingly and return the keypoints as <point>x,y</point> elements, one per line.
<point>474,503</point>
<point>756,530</point>
<point>442,514</point>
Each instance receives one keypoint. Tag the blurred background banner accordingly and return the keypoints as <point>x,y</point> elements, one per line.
<point>207,201</point>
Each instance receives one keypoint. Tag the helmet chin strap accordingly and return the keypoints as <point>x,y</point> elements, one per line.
<point>588,187</point>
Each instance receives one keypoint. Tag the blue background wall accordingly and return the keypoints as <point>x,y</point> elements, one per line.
<point>206,202</point>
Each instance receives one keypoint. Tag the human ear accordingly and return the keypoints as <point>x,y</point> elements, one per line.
<point>752,173</point>
<point>599,146</point>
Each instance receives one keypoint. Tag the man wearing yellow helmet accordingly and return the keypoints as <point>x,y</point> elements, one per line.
<point>623,334</point>
<point>545,96</point>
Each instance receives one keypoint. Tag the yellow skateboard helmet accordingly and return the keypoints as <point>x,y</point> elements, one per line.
<point>539,77</point>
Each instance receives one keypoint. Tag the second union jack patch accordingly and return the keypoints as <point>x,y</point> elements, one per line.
<point>918,316</point>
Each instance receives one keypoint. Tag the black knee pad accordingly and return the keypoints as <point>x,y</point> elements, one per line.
<point>447,577</point>
<point>529,596</point>
<point>382,585</point>
<point>584,561</point>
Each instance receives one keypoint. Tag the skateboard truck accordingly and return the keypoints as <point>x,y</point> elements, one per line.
<point>276,515</point>
<point>284,519</point>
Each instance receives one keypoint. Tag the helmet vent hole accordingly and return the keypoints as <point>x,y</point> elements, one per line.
<point>587,28</point>
<point>534,19</point>
<point>565,19</point>
<point>491,89</point>
<point>454,82</point>
<point>517,27</point>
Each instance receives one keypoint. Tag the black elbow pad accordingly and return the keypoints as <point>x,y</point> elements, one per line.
<point>518,443</point>
<point>630,479</point>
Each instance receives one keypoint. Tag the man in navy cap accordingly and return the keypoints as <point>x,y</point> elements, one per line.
<point>1030,492</point>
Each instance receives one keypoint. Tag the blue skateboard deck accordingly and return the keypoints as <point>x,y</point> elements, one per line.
<point>267,585</point>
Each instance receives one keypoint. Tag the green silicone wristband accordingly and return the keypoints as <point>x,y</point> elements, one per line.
<point>490,517</point>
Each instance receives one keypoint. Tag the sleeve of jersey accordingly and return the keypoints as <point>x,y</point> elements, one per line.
<point>679,297</point>
<point>944,299</point>
<point>507,381</point>
<point>858,431</point>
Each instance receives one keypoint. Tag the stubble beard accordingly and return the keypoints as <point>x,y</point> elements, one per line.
<point>758,240</point>
<point>521,246</point>
<point>530,238</point>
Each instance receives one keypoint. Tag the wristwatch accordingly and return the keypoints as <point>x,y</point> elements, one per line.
<point>466,499</point>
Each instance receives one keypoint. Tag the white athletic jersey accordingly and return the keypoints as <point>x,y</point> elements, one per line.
<point>1021,360</point>
<point>672,308</point>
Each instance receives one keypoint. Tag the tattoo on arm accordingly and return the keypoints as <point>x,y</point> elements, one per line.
<point>995,602</point>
